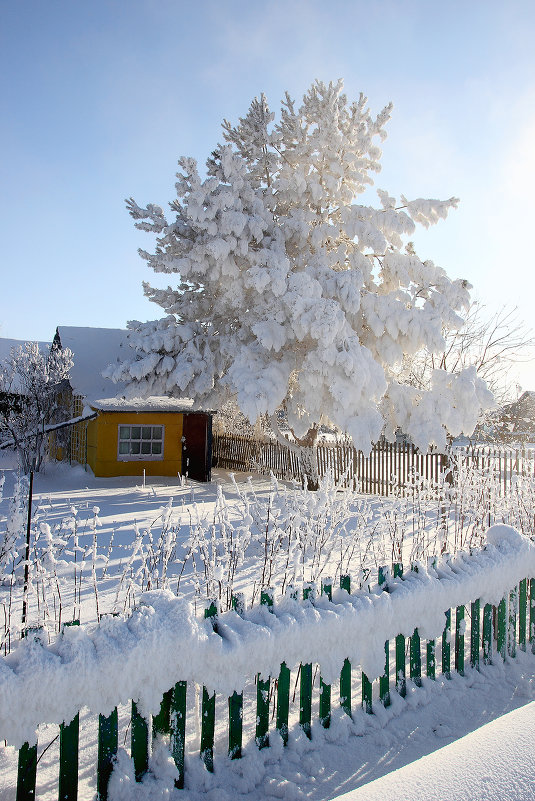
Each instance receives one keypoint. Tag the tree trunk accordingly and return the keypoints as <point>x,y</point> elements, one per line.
<point>305,448</point>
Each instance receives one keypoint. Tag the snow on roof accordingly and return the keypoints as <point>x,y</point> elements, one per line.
<point>152,404</point>
<point>6,346</point>
<point>94,349</point>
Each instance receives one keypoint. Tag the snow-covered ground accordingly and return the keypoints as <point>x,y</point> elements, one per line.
<point>409,735</point>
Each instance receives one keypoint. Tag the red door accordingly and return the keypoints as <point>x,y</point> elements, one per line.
<point>197,446</point>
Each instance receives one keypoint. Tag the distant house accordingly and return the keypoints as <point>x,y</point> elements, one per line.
<point>124,437</point>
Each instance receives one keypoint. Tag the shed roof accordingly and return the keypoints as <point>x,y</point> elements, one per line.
<point>152,404</point>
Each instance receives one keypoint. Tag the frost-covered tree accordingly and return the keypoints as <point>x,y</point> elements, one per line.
<point>30,399</point>
<point>290,295</point>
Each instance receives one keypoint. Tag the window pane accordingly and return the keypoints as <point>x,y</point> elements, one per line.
<point>134,447</point>
<point>136,432</point>
<point>124,447</point>
<point>145,447</point>
<point>156,447</point>
<point>124,432</point>
<point>156,432</point>
<point>146,432</point>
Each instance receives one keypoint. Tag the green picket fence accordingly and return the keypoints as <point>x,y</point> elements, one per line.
<point>493,630</point>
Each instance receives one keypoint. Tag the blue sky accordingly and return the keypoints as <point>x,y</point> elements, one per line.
<point>99,100</point>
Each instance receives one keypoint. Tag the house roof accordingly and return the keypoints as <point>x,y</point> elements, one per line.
<point>94,349</point>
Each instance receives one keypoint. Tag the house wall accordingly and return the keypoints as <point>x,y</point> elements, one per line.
<point>102,443</point>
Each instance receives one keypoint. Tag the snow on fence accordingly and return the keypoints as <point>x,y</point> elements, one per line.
<point>162,648</point>
<point>389,465</point>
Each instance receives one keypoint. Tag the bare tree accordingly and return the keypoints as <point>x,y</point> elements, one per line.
<point>31,384</point>
<point>491,343</point>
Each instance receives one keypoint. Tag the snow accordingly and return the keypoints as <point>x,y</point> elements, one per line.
<point>494,763</point>
<point>150,404</point>
<point>163,641</point>
<point>165,637</point>
<point>94,349</point>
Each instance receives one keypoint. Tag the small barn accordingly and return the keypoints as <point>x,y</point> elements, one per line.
<point>126,437</point>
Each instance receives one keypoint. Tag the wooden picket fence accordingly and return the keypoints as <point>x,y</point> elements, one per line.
<point>493,630</point>
<point>388,467</point>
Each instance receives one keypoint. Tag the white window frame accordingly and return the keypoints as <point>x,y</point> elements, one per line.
<point>139,457</point>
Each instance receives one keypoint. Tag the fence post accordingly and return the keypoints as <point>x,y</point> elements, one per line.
<point>68,751</point>
<point>208,706</point>
<point>139,743</point>
<point>235,702</point>
<point>487,634</point>
<point>108,741</point>
<point>305,694</point>
<point>531,604</point>
<point>511,623</point>
<point>27,772</point>
<point>415,651</point>
<point>446,646</point>
<point>474,634</point>
<point>430,666</point>
<point>502,627</point>
<point>161,723</point>
<point>460,627</point>
<point>27,762</point>
<point>345,674</point>
<point>522,613</point>
<point>283,690</point>
<point>401,684</point>
<point>325,689</point>
<point>262,689</point>
<point>384,680</point>
<point>178,729</point>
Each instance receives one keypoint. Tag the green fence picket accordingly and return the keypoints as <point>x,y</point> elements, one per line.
<point>345,673</point>
<point>283,702</point>
<point>475,613</point>
<point>384,680</point>
<point>161,723</point>
<point>208,706</point>
<point>487,634</point>
<point>459,640</point>
<point>235,702</point>
<point>522,612</point>
<point>139,743</point>
<point>502,628</point>
<point>446,645</point>
<point>178,729</point>
<point>401,681</point>
<point>262,690</point>
<point>283,688</point>
<point>27,762</point>
<point>69,734</point>
<point>108,742</point>
<point>532,613</point>
<point>415,652</point>
<point>511,623</point>
<point>305,694</point>
<point>430,650</point>
<point>325,689</point>
<point>27,772</point>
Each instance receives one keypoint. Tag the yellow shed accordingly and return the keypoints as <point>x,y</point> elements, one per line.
<point>161,436</point>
